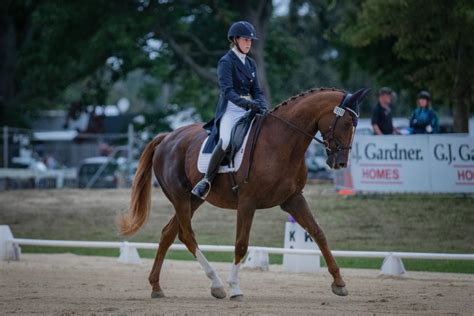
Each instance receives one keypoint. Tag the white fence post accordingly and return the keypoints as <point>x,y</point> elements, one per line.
<point>8,251</point>
<point>257,259</point>
<point>392,266</point>
<point>128,254</point>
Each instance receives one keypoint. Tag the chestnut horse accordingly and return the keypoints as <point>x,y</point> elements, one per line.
<point>277,177</point>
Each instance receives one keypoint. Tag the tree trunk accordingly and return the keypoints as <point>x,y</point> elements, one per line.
<point>8,49</point>
<point>462,90</point>
<point>461,110</point>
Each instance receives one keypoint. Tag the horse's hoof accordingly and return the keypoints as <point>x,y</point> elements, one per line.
<point>218,292</point>
<point>237,298</point>
<point>339,290</point>
<point>157,294</point>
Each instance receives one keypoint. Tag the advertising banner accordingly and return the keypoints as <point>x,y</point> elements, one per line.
<point>416,163</point>
<point>452,164</point>
<point>390,163</point>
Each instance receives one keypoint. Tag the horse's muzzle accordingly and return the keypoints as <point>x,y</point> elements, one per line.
<point>337,161</point>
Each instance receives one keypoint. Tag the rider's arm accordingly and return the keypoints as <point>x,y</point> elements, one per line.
<point>226,84</point>
<point>255,89</point>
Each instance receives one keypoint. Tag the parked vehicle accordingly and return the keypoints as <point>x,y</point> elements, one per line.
<point>98,172</point>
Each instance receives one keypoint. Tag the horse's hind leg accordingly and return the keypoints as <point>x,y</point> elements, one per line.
<point>168,235</point>
<point>186,235</point>
<point>299,209</point>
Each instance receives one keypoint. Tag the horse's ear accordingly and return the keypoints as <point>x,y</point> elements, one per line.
<point>357,98</point>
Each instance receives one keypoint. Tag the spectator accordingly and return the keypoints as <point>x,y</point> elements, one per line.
<point>424,120</point>
<point>381,114</point>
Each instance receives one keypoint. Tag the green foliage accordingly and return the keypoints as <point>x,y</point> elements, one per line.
<point>87,50</point>
<point>416,45</point>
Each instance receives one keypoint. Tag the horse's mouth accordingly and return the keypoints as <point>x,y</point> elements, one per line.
<point>334,164</point>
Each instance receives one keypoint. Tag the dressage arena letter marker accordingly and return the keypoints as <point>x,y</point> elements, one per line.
<point>297,238</point>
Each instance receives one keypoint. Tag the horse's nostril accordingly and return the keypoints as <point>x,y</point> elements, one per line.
<point>342,164</point>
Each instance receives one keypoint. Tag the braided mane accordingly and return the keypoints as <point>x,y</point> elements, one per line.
<point>304,93</point>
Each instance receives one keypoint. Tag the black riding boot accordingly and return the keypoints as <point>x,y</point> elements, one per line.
<point>203,187</point>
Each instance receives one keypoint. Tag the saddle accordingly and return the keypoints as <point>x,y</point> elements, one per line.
<point>234,154</point>
<point>237,137</point>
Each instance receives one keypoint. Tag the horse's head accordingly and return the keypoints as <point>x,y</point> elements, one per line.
<point>339,126</point>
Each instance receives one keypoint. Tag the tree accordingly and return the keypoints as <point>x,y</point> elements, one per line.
<point>197,33</point>
<point>425,43</point>
<point>53,44</point>
<point>50,46</point>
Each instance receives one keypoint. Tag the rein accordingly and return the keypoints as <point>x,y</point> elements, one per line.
<point>339,111</point>
<point>300,130</point>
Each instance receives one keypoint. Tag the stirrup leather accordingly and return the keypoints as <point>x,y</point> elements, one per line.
<point>196,189</point>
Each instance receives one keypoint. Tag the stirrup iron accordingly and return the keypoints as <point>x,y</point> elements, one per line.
<point>202,195</point>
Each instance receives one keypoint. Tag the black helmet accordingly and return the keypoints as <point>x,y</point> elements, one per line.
<point>424,95</point>
<point>385,90</point>
<point>242,29</point>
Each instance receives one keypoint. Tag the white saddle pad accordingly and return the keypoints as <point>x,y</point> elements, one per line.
<point>203,159</point>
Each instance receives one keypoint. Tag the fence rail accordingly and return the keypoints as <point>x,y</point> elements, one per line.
<point>218,248</point>
<point>9,250</point>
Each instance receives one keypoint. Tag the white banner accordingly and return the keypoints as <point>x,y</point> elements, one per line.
<point>452,164</point>
<point>416,163</point>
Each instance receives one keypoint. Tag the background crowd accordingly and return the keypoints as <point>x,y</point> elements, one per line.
<point>423,119</point>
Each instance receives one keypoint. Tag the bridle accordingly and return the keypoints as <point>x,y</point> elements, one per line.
<point>339,111</point>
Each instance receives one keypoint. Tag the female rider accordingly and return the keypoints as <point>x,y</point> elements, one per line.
<point>239,93</point>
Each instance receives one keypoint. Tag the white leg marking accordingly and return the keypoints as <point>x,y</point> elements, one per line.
<point>233,281</point>
<point>209,270</point>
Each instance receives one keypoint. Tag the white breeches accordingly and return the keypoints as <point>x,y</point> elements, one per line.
<point>231,115</point>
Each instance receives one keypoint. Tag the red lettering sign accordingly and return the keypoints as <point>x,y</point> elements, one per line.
<point>465,175</point>
<point>380,174</point>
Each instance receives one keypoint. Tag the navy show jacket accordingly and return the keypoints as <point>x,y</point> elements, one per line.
<point>234,79</point>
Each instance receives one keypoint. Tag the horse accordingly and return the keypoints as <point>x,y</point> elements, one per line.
<point>277,178</point>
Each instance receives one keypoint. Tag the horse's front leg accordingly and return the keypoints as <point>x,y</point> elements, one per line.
<point>297,207</point>
<point>244,223</point>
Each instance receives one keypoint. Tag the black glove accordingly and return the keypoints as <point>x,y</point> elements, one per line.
<point>263,105</point>
<point>253,105</point>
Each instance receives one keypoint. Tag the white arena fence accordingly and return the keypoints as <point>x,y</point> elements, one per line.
<point>257,257</point>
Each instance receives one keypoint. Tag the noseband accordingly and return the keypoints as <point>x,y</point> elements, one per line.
<point>339,111</point>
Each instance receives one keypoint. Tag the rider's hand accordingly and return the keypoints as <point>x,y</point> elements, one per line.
<point>254,105</point>
<point>263,105</point>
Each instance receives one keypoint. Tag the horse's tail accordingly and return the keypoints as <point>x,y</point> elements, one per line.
<point>139,210</point>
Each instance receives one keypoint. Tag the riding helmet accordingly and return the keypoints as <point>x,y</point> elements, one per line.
<point>424,95</point>
<point>241,29</point>
<point>385,91</point>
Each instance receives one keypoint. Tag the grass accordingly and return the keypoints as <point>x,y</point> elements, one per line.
<point>398,222</point>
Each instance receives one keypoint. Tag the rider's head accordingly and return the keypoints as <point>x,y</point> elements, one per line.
<point>241,34</point>
<point>424,98</point>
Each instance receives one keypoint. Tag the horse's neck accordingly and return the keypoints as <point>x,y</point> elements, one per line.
<point>305,114</point>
